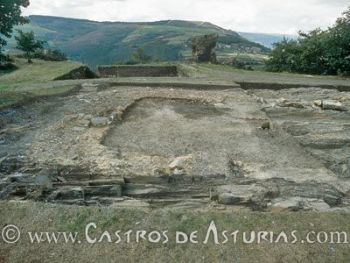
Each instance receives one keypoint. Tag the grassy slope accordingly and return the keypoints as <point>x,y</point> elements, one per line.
<point>36,79</point>
<point>244,76</point>
<point>25,83</point>
<point>45,217</point>
<point>38,72</point>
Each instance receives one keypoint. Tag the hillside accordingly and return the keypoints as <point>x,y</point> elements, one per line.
<point>97,43</point>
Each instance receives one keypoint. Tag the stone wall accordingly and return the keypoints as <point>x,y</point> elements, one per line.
<point>82,72</point>
<point>137,71</point>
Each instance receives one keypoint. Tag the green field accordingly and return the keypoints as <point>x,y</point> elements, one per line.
<point>262,77</point>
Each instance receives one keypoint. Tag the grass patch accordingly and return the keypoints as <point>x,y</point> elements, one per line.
<point>267,80</point>
<point>225,71</point>
<point>38,72</point>
<point>11,98</point>
<point>55,218</point>
<point>28,81</point>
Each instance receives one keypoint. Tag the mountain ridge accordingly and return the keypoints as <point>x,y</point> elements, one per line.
<point>96,43</point>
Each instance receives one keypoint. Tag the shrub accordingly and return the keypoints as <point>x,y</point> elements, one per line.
<point>5,63</point>
<point>316,52</point>
<point>140,57</point>
<point>243,62</point>
<point>50,55</point>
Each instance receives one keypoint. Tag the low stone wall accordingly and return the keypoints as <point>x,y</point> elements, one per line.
<point>82,72</point>
<point>137,71</point>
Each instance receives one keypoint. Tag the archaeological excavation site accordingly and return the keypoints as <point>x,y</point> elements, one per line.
<point>161,131</point>
<point>199,142</point>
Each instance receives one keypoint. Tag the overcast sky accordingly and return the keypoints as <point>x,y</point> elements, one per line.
<point>270,16</point>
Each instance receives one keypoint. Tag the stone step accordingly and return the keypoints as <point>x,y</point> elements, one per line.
<point>177,202</point>
<point>101,182</point>
<point>165,192</point>
<point>105,190</point>
<point>180,179</point>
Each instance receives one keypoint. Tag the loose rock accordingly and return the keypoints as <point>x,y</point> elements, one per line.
<point>181,162</point>
<point>99,121</point>
<point>333,105</point>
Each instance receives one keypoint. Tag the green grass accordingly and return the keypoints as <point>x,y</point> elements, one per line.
<point>35,80</point>
<point>244,76</point>
<point>8,98</point>
<point>38,72</point>
<point>54,218</point>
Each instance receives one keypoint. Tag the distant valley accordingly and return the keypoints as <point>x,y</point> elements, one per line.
<point>266,39</point>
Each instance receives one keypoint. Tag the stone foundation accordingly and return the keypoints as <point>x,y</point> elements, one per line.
<point>137,71</point>
<point>82,72</point>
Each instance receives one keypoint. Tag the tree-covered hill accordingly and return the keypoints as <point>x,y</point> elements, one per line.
<point>97,43</point>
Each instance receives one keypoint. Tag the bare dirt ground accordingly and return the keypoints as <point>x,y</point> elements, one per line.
<point>263,149</point>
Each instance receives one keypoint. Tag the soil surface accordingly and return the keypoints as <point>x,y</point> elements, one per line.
<point>172,147</point>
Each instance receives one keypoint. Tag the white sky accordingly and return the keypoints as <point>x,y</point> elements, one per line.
<point>269,16</point>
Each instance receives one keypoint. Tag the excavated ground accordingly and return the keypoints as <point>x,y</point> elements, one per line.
<point>155,147</point>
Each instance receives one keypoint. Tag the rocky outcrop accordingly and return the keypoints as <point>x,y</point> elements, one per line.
<point>203,48</point>
<point>300,204</point>
<point>330,105</point>
<point>247,195</point>
<point>99,121</point>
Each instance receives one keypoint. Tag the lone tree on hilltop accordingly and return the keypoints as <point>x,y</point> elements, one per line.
<point>10,15</point>
<point>27,43</point>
